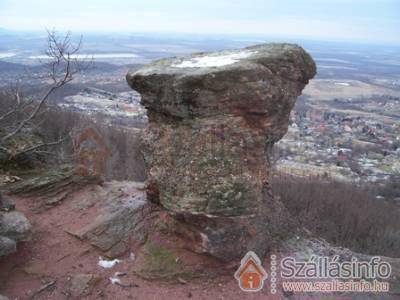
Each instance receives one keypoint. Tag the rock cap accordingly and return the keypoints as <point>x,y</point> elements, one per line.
<point>204,84</point>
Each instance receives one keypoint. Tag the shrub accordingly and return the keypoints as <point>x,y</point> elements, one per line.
<point>54,123</point>
<point>391,188</point>
<point>342,213</point>
<point>125,162</point>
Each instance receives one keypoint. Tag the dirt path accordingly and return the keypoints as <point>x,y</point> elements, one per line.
<point>54,255</point>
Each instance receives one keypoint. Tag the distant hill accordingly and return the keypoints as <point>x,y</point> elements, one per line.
<point>8,66</point>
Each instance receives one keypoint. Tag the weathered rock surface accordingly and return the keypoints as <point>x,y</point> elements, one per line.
<point>213,119</point>
<point>53,186</point>
<point>82,284</point>
<point>7,246</point>
<point>14,227</point>
<point>123,216</point>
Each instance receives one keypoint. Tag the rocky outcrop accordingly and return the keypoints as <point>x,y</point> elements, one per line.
<point>122,216</point>
<point>14,227</point>
<point>213,119</point>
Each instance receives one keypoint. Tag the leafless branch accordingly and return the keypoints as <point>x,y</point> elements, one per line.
<point>38,146</point>
<point>8,113</point>
<point>5,150</point>
<point>63,63</point>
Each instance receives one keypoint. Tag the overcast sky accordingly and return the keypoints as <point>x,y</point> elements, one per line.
<point>358,20</point>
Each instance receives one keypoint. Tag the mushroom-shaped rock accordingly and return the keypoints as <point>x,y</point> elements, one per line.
<point>213,119</point>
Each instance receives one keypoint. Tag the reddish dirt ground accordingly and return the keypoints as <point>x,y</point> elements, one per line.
<point>54,255</point>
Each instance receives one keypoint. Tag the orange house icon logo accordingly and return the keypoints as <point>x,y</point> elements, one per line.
<point>251,274</point>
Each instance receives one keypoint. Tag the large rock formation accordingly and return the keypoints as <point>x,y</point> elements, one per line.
<point>213,119</point>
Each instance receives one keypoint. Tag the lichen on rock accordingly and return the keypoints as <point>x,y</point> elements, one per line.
<point>213,119</point>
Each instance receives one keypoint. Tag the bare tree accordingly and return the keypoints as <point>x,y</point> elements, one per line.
<point>62,64</point>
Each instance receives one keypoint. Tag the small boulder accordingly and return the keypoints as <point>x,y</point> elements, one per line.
<point>15,225</point>
<point>7,246</point>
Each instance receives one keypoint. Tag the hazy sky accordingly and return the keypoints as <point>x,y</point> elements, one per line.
<point>358,20</point>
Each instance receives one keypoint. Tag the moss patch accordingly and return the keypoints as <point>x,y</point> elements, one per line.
<point>157,262</point>
<point>160,262</point>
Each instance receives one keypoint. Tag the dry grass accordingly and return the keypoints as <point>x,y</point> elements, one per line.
<point>125,162</point>
<point>344,214</point>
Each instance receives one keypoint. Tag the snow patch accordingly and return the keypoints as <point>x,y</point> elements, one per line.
<point>132,256</point>
<point>333,60</point>
<point>342,83</point>
<point>107,264</point>
<point>115,280</point>
<point>7,54</point>
<point>213,61</point>
<point>336,67</point>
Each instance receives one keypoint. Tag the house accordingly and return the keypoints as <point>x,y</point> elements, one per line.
<point>251,274</point>
<point>91,153</point>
